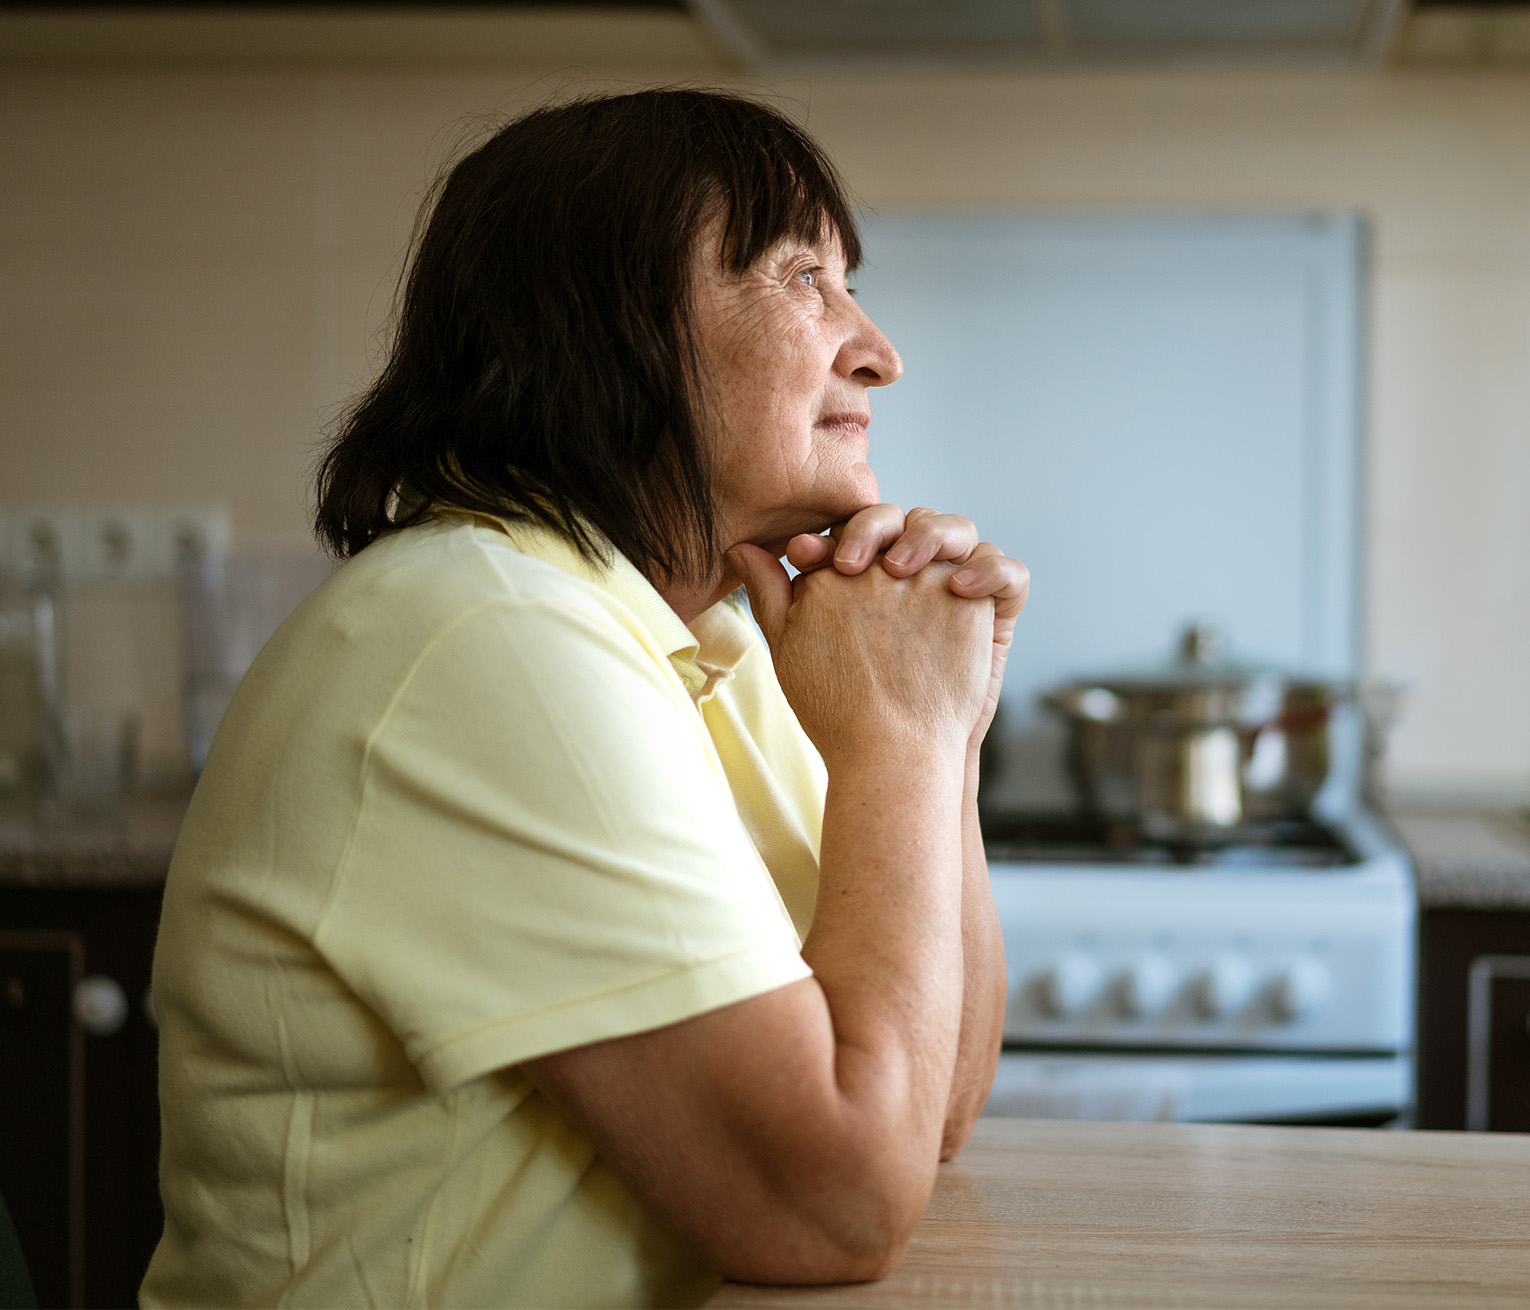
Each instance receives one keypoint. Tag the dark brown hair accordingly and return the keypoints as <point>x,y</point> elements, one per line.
<point>542,365</point>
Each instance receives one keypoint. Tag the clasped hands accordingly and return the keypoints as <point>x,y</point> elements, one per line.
<point>904,545</point>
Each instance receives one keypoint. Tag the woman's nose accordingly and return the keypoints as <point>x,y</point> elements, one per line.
<point>867,354</point>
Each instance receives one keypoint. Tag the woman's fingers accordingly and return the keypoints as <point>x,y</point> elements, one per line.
<point>907,543</point>
<point>863,536</point>
<point>928,536</point>
<point>807,552</point>
<point>769,588</point>
<point>850,546</point>
<point>990,572</point>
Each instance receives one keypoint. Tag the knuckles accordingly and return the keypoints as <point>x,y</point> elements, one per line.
<point>931,578</point>
<point>922,602</point>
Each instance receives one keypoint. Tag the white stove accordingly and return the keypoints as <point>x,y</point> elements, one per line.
<point>1270,978</point>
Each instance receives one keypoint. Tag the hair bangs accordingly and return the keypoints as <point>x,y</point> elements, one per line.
<point>778,185</point>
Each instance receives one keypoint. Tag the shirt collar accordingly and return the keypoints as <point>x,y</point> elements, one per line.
<point>704,654</point>
<point>724,637</point>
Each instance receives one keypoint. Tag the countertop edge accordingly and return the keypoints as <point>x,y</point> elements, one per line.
<point>1467,859</point>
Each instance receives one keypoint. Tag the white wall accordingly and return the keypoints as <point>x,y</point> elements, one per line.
<point>197,263</point>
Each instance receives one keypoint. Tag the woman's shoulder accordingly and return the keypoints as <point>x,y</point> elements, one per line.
<point>429,634</point>
<point>453,584</point>
<point>439,568</point>
<point>348,651</point>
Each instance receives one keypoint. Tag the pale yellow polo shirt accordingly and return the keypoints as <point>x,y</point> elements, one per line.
<point>475,802</point>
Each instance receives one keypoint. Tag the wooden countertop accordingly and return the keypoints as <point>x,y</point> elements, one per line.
<point>1052,1214</point>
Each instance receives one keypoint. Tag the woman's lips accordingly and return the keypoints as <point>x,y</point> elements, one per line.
<point>848,424</point>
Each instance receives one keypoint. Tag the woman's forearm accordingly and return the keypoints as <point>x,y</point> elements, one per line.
<point>984,981</point>
<point>886,948</point>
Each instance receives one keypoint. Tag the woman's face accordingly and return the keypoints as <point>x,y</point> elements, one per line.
<point>790,358</point>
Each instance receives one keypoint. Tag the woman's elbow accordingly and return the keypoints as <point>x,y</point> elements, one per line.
<point>826,1260</point>
<point>855,1236</point>
<point>957,1131</point>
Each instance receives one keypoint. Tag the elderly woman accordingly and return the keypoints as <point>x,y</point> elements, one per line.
<point>537,936</point>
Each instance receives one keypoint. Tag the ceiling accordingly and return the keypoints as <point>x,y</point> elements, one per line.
<point>772,36</point>
<point>769,33</point>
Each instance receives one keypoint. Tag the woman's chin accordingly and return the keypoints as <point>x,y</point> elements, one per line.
<point>864,497</point>
<point>853,490</point>
<point>866,490</point>
<point>829,506</point>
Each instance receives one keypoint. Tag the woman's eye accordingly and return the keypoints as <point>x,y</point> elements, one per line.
<point>809,276</point>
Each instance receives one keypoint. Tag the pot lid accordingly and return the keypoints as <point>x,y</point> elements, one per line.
<point>1203,660</point>
<point>1229,690</point>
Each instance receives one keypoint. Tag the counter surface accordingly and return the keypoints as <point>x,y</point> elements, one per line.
<point>1053,1214</point>
<point>1464,860</point>
<point>1468,861</point>
<point>127,849</point>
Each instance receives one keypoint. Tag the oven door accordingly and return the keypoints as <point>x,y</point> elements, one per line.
<point>1367,1089</point>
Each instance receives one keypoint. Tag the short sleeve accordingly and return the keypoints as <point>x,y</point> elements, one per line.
<point>546,852</point>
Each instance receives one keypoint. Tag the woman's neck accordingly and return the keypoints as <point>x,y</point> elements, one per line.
<point>690,599</point>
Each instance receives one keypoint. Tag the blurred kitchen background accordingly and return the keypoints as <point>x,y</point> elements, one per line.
<point>1210,309</point>
<point>204,212</point>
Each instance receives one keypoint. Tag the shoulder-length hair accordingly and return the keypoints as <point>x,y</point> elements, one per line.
<point>543,365</point>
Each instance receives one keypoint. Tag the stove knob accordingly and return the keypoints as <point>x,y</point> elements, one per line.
<point>1225,987</point>
<point>1070,986</point>
<point>1302,990</point>
<point>100,1005</point>
<point>1145,988</point>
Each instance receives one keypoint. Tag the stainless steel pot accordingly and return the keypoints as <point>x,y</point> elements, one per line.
<point>1193,751</point>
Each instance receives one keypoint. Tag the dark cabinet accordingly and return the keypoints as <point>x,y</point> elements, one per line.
<point>1474,1020</point>
<point>42,1101</point>
<point>79,1101</point>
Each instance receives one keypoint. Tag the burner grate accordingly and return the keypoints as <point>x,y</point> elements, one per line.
<point>1080,840</point>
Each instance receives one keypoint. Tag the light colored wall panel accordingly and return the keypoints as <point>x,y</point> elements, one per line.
<point>157,250</point>
<point>1450,599</point>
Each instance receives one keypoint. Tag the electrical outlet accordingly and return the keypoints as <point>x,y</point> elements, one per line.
<point>190,534</point>
<point>129,544</point>
<point>112,546</point>
<point>45,544</point>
